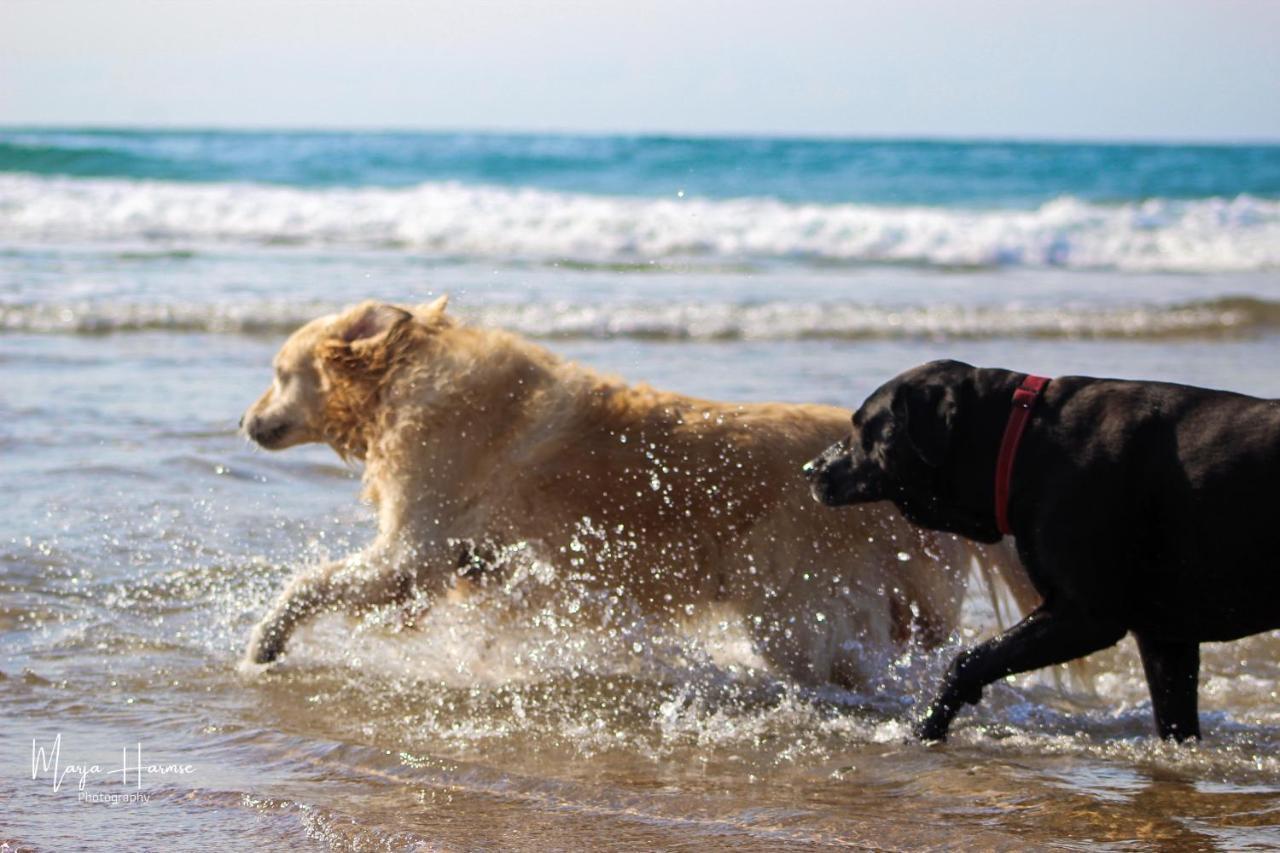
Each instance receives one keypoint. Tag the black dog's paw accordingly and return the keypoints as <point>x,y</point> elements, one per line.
<point>931,729</point>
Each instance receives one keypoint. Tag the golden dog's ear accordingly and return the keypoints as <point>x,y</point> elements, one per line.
<point>371,322</point>
<point>434,309</point>
<point>361,338</point>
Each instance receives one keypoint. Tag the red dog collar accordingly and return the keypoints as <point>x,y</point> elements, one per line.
<point>1024,399</point>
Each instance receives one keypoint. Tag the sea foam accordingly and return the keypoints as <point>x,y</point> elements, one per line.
<point>697,321</point>
<point>1239,234</point>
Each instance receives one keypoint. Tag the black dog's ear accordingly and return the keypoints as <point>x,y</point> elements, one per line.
<point>926,413</point>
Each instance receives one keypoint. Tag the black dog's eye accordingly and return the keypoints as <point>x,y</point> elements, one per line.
<point>872,433</point>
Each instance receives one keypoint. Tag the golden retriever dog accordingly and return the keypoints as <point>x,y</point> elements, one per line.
<point>474,435</point>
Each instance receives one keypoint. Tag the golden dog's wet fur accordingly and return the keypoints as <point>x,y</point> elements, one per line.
<point>473,434</point>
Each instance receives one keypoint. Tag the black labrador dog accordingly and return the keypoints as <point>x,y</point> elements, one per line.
<point>1137,506</point>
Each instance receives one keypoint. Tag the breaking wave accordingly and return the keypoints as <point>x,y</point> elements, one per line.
<point>704,321</point>
<point>511,224</point>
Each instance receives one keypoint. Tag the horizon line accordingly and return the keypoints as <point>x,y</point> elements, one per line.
<point>726,135</point>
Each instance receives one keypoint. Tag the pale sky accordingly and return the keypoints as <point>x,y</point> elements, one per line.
<point>1124,69</point>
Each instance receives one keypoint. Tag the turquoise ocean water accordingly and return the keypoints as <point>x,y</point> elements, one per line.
<point>883,172</point>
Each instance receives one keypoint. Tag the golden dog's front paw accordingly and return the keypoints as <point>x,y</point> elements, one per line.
<point>265,647</point>
<point>247,669</point>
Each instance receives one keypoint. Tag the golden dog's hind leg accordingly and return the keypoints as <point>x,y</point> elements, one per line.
<point>353,585</point>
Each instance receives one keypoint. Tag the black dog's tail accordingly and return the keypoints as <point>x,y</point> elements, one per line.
<point>1012,597</point>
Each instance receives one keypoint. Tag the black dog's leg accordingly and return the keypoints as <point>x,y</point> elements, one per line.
<point>1173,675</point>
<point>1044,638</point>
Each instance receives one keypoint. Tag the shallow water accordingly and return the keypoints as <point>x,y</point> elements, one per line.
<point>142,537</point>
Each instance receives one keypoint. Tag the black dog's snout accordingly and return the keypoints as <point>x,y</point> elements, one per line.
<point>818,465</point>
